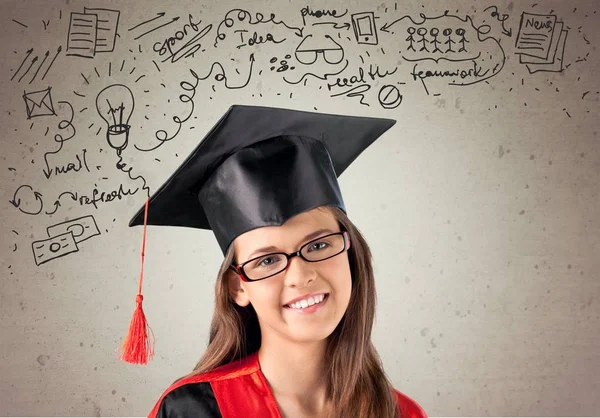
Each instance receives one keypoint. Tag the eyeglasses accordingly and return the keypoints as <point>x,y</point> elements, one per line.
<point>268,265</point>
<point>309,56</point>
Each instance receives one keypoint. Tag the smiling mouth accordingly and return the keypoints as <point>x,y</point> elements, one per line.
<point>309,306</point>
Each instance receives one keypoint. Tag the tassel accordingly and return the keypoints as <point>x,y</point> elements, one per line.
<point>137,348</point>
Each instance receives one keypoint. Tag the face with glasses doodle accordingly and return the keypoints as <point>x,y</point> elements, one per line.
<point>304,258</point>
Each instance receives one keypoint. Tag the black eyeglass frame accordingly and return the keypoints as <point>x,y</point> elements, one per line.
<point>240,267</point>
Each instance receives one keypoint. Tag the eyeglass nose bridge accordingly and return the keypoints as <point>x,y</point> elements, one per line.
<point>292,255</point>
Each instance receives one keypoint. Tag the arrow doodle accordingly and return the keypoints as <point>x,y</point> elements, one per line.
<point>33,61</point>
<point>58,51</point>
<point>175,19</point>
<point>29,51</point>
<point>16,201</point>
<point>158,16</point>
<point>40,67</point>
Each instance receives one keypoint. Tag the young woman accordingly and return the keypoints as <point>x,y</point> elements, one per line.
<point>295,296</point>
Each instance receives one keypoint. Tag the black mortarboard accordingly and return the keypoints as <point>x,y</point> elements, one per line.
<point>260,166</point>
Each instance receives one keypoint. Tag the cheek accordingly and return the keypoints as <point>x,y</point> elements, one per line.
<point>264,298</point>
<point>339,274</point>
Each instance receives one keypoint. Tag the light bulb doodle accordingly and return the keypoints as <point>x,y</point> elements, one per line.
<point>115,105</point>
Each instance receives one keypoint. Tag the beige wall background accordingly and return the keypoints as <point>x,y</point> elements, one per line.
<point>481,204</point>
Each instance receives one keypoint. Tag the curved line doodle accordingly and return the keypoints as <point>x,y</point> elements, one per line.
<point>16,200</point>
<point>325,76</point>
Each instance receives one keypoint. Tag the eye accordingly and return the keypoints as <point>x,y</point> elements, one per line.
<point>267,261</point>
<point>317,246</point>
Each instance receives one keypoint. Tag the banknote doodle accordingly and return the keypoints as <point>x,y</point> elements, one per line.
<point>63,239</point>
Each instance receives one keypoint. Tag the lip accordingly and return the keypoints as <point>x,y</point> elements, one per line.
<point>308,295</point>
<point>310,309</point>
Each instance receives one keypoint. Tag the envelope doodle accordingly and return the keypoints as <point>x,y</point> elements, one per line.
<point>39,103</point>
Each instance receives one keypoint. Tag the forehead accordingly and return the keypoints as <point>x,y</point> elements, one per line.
<point>287,236</point>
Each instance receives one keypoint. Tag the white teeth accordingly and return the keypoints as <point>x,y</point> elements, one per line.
<point>307,302</point>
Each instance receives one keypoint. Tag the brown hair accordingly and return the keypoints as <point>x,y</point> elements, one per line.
<point>363,390</point>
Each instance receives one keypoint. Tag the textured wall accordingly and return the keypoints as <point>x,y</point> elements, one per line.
<point>481,204</point>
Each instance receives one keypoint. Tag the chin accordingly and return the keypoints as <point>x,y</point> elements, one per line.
<point>307,339</point>
<point>311,335</point>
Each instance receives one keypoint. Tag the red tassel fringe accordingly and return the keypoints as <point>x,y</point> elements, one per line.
<point>137,348</point>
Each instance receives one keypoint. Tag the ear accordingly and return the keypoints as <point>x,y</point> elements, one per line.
<point>236,289</point>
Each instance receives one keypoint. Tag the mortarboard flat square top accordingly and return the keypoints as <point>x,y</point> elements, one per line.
<point>260,166</point>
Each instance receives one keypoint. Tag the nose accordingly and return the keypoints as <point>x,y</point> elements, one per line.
<point>299,273</point>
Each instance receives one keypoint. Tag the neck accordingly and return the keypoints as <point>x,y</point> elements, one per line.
<point>294,370</point>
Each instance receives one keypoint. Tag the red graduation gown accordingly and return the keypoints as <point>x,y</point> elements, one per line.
<point>235,390</point>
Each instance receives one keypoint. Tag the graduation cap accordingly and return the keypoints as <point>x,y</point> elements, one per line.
<point>259,166</point>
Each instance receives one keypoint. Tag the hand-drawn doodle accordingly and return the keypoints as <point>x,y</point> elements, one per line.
<point>541,42</point>
<point>28,53</point>
<point>175,53</point>
<point>363,85</point>
<point>255,38</point>
<point>30,202</point>
<point>107,26</point>
<point>40,66</point>
<point>63,238</point>
<point>389,97</point>
<point>57,203</point>
<point>334,25</point>
<point>357,91</point>
<point>64,124</point>
<point>110,74</point>
<point>74,167</point>
<point>307,11</point>
<point>53,248</point>
<point>39,103</point>
<point>27,200</point>
<point>364,27</point>
<point>93,31</point>
<point>222,76</point>
<point>96,197</point>
<point>438,47</point>
<point>82,228</point>
<point>535,34</point>
<point>81,40</point>
<point>236,17</point>
<point>33,61</point>
<point>315,50</point>
<point>501,19</point>
<point>283,64</point>
<point>15,244</point>
<point>309,50</point>
<point>19,23</point>
<point>162,135</point>
<point>158,16</point>
<point>115,105</point>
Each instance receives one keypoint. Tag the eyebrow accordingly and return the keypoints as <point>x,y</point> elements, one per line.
<point>309,237</point>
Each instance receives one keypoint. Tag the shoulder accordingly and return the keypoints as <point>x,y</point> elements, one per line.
<point>194,395</point>
<point>189,400</point>
<point>408,407</point>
